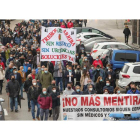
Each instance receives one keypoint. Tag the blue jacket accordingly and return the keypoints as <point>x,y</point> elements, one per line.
<point>110,88</point>
<point>91,73</point>
<point>131,92</point>
<point>102,74</point>
<point>17,40</point>
<point>26,66</point>
<point>36,70</point>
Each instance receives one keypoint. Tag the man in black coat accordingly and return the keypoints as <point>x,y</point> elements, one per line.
<point>127,33</point>
<point>55,103</point>
<point>12,90</point>
<point>8,72</point>
<point>90,90</point>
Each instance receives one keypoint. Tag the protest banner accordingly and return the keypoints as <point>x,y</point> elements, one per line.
<point>58,44</point>
<point>97,107</point>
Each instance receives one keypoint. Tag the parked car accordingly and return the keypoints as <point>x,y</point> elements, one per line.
<point>92,30</point>
<point>84,36</point>
<point>99,48</point>
<point>2,116</point>
<point>129,73</point>
<point>119,57</point>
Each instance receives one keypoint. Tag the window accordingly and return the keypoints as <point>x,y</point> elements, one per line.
<point>78,30</point>
<point>120,57</point>
<point>122,47</point>
<point>86,30</point>
<point>136,70</point>
<point>131,57</point>
<point>95,31</point>
<point>139,57</point>
<point>125,68</point>
<point>109,46</point>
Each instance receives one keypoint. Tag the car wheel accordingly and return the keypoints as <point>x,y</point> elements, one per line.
<point>117,73</point>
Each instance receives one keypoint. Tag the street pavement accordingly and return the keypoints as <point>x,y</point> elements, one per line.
<point>112,27</point>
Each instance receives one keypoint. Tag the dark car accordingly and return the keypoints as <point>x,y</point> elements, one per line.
<point>93,30</point>
<point>2,116</point>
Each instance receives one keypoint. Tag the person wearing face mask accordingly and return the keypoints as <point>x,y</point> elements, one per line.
<point>29,57</point>
<point>117,91</point>
<point>97,62</point>
<point>98,72</point>
<point>86,63</point>
<point>112,81</point>
<point>2,76</point>
<point>77,59</point>
<point>99,85</point>
<point>90,59</point>
<point>77,91</point>
<point>38,69</point>
<point>105,91</point>
<point>69,75</point>
<point>90,90</point>
<point>12,90</point>
<point>10,59</point>
<point>46,78</point>
<point>34,91</point>
<point>33,50</point>
<point>89,82</point>
<point>58,73</point>
<point>68,90</point>
<point>9,70</point>
<point>36,59</point>
<point>2,64</point>
<point>45,101</point>
<point>7,53</point>
<point>133,90</point>
<point>27,84</point>
<point>28,72</point>
<point>109,87</point>
<point>83,81</point>
<point>17,75</point>
<point>23,78</point>
<point>55,103</point>
<point>17,63</point>
<point>91,71</point>
<point>81,49</point>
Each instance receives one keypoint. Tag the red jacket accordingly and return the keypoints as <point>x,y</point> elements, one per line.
<point>1,63</point>
<point>45,101</point>
<point>70,25</point>
<point>33,76</point>
<point>63,26</point>
<point>98,62</point>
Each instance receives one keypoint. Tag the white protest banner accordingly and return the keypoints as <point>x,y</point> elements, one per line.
<point>58,44</point>
<point>97,107</point>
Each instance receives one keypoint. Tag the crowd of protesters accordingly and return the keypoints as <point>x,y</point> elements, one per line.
<point>44,81</point>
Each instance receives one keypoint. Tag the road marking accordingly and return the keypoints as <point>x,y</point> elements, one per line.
<point>5,112</point>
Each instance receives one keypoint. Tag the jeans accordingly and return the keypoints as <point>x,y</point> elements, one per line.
<point>42,112</point>
<point>59,79</point>
<point>29,105</point>
<point>55,113</point>
<point>33,103</point>
<point>126,38</point>
<point>13,101</point>
<point>21,89</point>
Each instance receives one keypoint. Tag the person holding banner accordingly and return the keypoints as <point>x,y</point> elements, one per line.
<point>77,91</point>
<point>99,85</point>
<point>90,90</point>
<point>109,87</point>
<point>117,91</point>
<point>68,90</point>
<point>133,90</point>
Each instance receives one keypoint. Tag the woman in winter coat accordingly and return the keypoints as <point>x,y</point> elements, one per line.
<point>99,85</point>
<point>83,81</point>
<point>2,76</point>
<point>86,63</point>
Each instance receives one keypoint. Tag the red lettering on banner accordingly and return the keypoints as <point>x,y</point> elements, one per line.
<point>84,101</point>
<point>69,38</point>
<point>139,101</point>
<point>130,100</point>
<point>114,101</point>
<point>120,100</point>
<point>49,36</point>
<point>135,98</point>
<point>74,99</point>
<point>107,101</point>
<point>97,99</point>
<point>91,102</point>
<point>67,101</point>
<point>126,99</point>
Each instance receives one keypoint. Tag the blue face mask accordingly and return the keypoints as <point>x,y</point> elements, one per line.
<point>11,57</point>
<point>101,80</point>
<point>15,71</point>
<point>84,68</point>
<point>85,59</point>
<point>44,92</point>
<point>42,69</point>
<point>69,70</point>
<point>107,67</point>
<point>78,90</point>
<point>46,71</point>
<point>118,92</point>
<point>97,59</point>
<point>98,69</point>
<point>107,84</point>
